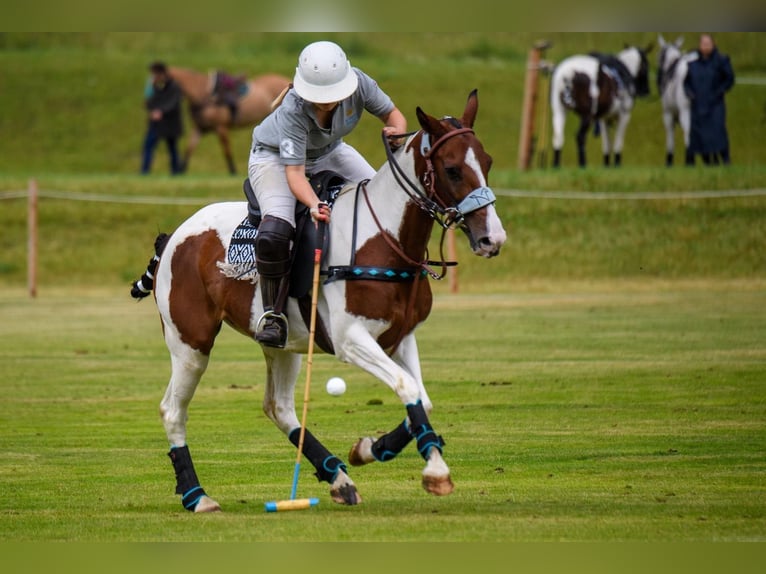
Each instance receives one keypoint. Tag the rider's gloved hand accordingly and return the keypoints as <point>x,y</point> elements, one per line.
<point>321,212</point>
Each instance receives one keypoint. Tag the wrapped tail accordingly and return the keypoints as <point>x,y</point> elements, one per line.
<point>145,284</point>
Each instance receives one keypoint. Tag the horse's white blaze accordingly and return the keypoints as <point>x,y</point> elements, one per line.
<point>494,231</point>
<point>472,162</point>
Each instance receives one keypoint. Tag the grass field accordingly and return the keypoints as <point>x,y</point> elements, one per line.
<point>600,380</point>
<point>610,411</point>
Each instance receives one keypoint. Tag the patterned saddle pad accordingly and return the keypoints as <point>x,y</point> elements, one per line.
<point>240,257</point>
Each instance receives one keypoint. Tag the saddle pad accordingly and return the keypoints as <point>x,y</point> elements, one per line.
<point>242,244</point>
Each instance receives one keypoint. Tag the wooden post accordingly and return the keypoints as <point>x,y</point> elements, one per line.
<point>527,130</point>
<point>32,238</point>
<point>452,256</point>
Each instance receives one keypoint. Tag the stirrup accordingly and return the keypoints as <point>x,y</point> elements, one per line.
<point>279,318</point>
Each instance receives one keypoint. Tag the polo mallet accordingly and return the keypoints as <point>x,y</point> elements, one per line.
<point>302,503</point>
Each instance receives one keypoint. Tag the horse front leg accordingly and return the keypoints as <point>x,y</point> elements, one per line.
<point>223,137</point>
<point>388,446</point>
<point>402,375</point>
<point>619,136</point>
<point>606,149</point>
<point>668,121</point>
<point>279,405</point>
<point>191,145</point>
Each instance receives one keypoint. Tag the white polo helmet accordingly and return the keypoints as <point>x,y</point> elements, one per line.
<point>324,74</point>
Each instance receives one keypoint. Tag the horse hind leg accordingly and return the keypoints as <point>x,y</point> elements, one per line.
<point>188,365</point>
<point>279,405</point>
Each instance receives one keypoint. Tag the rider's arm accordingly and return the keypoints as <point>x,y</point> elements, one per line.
<point>299,185</point>
<point>395,122</point>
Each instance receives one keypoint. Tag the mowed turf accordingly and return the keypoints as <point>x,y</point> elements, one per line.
<point>611,410</point>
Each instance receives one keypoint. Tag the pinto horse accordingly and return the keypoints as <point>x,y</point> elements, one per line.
<point>676,106</point>
<point>598,88</point>
<point>367,316</point>
<point>216,106</point>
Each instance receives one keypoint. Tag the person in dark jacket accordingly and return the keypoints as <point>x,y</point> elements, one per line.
<point>709,77</point>
<point>163,103</point>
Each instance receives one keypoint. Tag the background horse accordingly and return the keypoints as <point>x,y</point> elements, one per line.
<point>676,106</point>
<point>598,87</point>
<point>219,102</point>
<point>440,174</point>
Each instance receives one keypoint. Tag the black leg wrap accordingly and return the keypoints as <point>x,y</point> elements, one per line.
<point>617,159</point>
<point>326,463</point>
<point>391,444</point>
<point>187,484</point>
<point>422,431</point>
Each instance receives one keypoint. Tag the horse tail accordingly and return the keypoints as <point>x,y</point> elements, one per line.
<point>142,287</point>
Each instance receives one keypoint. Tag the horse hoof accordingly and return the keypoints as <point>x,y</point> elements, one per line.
<point>361,453</point>
<point>438,485</point>
<point>207,504</point>
<point>346,494</point>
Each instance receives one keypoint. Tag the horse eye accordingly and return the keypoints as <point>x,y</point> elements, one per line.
<point>454,173</point>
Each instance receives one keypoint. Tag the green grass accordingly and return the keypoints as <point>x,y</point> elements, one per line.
<point>110,243</point>
<point>615,410</point>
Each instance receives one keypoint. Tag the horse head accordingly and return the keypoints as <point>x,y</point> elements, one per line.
<point>453,168</point>
<point>667,58</point>
<point>635,59</point>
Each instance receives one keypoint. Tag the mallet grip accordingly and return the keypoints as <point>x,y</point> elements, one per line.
<point>297,504</point>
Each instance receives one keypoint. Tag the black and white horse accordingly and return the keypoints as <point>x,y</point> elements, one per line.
<point>676,106</point>
<point>601,88</point>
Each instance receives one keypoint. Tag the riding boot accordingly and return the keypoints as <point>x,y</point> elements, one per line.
<point>273,246</point>
<point>273,323</point>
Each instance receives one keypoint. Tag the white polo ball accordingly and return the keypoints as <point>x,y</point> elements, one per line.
<point>336,386</point>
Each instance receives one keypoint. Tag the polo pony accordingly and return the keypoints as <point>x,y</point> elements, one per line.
<point>676,106</point>
<point>376,293</point>
<point>219,102</point>
<point>599,88</point>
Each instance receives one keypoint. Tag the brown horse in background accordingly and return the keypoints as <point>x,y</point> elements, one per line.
<point>213,108</point>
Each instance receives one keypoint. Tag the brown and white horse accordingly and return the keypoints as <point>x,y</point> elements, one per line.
<point>210,112</point>
<point>598,88</point>
<point>439,174</point>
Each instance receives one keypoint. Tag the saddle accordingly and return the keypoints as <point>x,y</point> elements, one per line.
<point>241,254</point>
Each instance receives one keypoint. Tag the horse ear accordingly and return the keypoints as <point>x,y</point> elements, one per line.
<point>679,41</point>
<point>428,123</point>
<point>661,40</point>
<point>471,107</point>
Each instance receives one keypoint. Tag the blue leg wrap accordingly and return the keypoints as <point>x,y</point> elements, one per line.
<point>187,484</point>
<point>389,445</point>
<point>326,464</point>
<point>422,430</point>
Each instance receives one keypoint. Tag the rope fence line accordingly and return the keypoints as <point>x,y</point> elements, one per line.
<point>514,193</point>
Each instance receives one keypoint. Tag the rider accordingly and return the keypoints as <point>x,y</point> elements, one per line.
<point>304,135</point>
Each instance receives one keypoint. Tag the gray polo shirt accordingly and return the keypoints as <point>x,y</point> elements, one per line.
<point>292,129</point>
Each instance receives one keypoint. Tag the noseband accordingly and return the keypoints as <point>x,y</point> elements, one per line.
<point>429,201</point>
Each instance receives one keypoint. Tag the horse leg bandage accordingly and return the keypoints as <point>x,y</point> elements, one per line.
<point>187,484</point>
<point>324,461</point>
<point>391,444</point>
<point>421,430</point>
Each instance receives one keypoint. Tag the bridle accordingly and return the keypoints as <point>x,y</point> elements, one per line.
<point>429,201</point>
